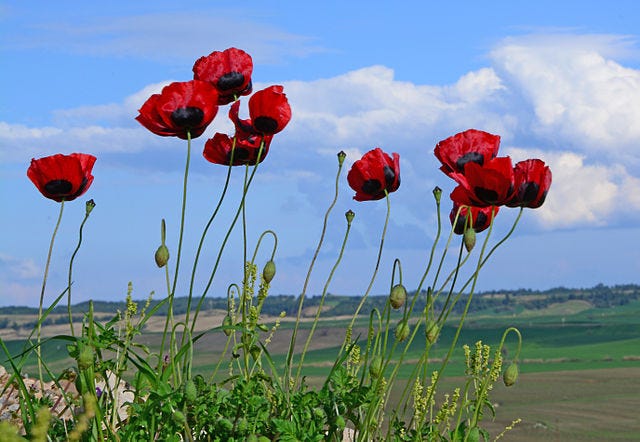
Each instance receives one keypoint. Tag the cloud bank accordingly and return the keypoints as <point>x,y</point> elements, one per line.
<point>562,98</point>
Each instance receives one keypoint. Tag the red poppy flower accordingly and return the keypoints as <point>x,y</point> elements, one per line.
<point>469,146</point>
<point>269,110</point>
<point>218,149</point>
<point>374,173</point>
<point>229,71</point>
<point>480,217</point>
<point>489,185</point>
<point>532,182</point>
<point>181,108</point>
<point>62,177</point>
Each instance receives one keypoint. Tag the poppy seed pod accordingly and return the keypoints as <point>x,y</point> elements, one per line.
<point>510,375</point>
<point>162,256</point>
<point>269,271</point>
<point>398,296</point>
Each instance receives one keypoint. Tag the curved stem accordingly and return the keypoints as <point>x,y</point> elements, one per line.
<point>44,284</point>
<point>292,343</point>
<point>86,216</point>
<point>375,271</point>
<point>321,304</point>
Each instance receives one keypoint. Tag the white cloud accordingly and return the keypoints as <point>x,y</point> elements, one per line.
<point>560,94</point>
<point>583,193</point>
<point>19,268</point>
<point>577,95</point>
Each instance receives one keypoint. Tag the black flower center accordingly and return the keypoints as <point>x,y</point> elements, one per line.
<point>265,125</point>
<point>371,187</point>
<point>230,80</point>
<point>58,187</point>
<point>486,195</point>
<point>187,117</point>
<point>474,157</point>
<point>389,176</point>
<point>528,192</point>
<point>240,154</point>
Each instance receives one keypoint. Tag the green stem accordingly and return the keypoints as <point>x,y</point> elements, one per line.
<point>44,284</point>
<point>321,304</point>
<point>375,270</point>
<point>292,343</point>
<point>226,238</point>
<point>86,216</point>
<point>182,214</point>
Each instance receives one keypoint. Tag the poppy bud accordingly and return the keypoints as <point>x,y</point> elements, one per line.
<point>402,331</point>
<point>469,239</point>
<point>227,323</point>
<point>474,435</point>
<point>162,256</point>
<point>89,206</point>
<point>431,331</point>
<point>398,296</point>
<point>349,215</point>
<point>341,157</point>
<point>85,357</point>
<point>269,271</point>
<point>178,417</point>
<point>376,367</point>
<point>510,375</point>
<point>190,391</point>
<point>437,193</point>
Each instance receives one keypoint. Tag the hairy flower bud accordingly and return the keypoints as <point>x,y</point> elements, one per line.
<point>510,375</point>
<point>398,296</point>
<point>162,256</point>
<point>269,271</point>
<point>190,391</point>
<point>227,323</point>
<point>402,331</point>
<point>85,357</point>
<point>375,369</point>
<point>469,239</point>
<point>178,417</point>
<point>431,331</point>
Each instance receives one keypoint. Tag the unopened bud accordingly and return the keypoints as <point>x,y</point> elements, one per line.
<point>510,375</point>
<point>341,157</point>
<point>269,271</point>
<point>349,215</point>
<point>376,367</point>
<point>190,391</point>
<point>178,417</point>
<point>402,331</point>
<point>469,239</point>
<point>398,296</point>
<point>89,207</point>
<point>437,194</point>
<point>162,256</point>
<point>85,357</point>
<point>431,331</point>
<point>227,324</point>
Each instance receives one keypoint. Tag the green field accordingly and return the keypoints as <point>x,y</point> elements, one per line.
<point>580,366</point>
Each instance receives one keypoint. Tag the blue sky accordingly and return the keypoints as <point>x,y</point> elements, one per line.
<point>557,80</point>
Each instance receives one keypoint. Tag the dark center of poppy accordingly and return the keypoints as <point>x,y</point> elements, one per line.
<point>486,195</point>
<point>389,176</point>
<point>240,154</point>
<point>58,187</point>
<point>528,192</point>
<point>480,221</point>
<point>474,157</point>
<point>187,117</point>
<point>230,80</point>
<point>265,125</point>
<point>371,187</point>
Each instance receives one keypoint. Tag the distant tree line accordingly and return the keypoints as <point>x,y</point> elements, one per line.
<point>600,296</point>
